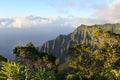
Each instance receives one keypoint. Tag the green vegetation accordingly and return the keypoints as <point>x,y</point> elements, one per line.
<point>29,56</point>
<point>29,65</point>
<point>99,62</point>
<point>42,74</point>
<point>74,76</point>
<point>95,64</point>
<point>13,71</point>
<point>2,58</point>
<point>96,57</point>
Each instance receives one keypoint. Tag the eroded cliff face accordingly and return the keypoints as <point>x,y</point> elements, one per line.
<point>59,46</point>
<point>83,34</point>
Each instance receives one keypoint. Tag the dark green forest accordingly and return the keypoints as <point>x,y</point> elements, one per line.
<point>98,59</point>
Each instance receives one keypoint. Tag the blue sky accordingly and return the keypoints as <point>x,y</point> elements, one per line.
<point>30,13</point>
<point>49,8</point>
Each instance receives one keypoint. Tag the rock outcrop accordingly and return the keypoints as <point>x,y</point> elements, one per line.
<point>83,34</point>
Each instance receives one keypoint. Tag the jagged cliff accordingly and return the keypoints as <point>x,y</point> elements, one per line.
<point>83,34</point>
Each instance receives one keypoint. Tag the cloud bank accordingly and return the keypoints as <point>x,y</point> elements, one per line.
<point>109,12</point>
<point>105,13</point>
<point>33,21</point>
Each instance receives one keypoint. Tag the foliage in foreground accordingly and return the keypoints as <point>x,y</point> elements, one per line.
<point>42,74</point>
<point>75,76</point>
<point>13,71</point>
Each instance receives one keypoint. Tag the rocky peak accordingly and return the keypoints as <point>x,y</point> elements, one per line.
<point>83,34</point>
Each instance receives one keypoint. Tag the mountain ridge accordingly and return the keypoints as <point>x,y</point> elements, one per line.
<point>59,47</point>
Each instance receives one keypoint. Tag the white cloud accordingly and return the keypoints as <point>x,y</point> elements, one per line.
<point>47,23</point>
<point>106,13</point>
<point>5,22</point>
<point>110,12</point>
<point>32,21</point>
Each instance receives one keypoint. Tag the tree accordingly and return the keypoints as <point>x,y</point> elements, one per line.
<point>25,55</point>
<point>42,74</point>
<point>30,44</point>
<point>75,76</point>
<point>45,60</point>
<point>2,58</point>
<point>29,56</point>
<point>25,51</point>
<point>12,71</point>
<point>100,61</point>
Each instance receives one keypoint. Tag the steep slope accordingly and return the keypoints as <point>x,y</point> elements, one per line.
<point>61,44</point>
<point>115,28</point>
<point>83,34</point>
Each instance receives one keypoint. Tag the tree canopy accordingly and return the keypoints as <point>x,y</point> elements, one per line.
<point>99,62</point>
<point>2,58</point>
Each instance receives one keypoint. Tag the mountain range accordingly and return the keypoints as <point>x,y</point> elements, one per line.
<point>83,34</point>
<point>86,53</point>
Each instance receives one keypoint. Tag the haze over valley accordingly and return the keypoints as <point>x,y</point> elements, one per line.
<point>12,37</point>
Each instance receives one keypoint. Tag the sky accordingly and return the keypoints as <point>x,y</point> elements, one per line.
<point>37,21</point>
<point>29,13</point>
<point>50,8</point>
<point>46,8</point>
